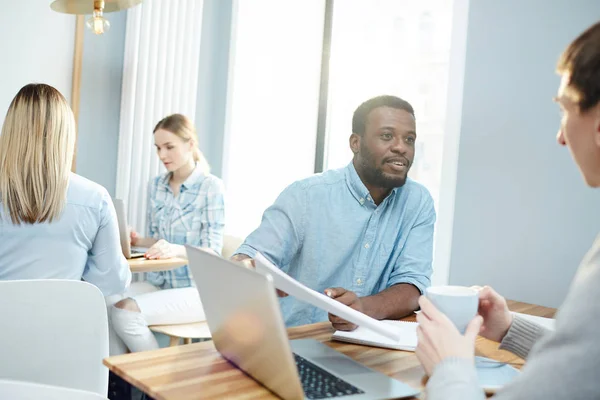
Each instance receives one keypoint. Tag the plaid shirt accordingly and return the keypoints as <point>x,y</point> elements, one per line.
<point>195,217</point>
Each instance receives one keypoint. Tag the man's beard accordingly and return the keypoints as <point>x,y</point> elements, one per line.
<point>374,175</point>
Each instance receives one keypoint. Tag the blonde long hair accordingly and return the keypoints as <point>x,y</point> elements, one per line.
<point>36,150</point>
<point>181,126</point>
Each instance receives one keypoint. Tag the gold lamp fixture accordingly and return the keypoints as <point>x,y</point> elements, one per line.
<point>97,23</point>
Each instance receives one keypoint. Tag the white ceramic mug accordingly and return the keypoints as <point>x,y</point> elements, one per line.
<point>459,303</point>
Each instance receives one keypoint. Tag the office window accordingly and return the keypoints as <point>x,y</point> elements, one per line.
<point>396,47</point>
<point>272,116</point>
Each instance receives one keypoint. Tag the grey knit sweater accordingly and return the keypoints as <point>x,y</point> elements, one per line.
<point>564,364</point>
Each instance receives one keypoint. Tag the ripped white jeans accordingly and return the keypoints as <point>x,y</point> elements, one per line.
<point>129,330</point>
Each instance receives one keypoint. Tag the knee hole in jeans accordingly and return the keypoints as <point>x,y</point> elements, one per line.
<point>128,304</point>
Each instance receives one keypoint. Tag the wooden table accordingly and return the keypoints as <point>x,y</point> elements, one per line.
<point>197,371</point>
<point>143,265</point>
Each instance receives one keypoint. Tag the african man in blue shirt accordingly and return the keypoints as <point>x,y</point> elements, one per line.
<point>363,234</point>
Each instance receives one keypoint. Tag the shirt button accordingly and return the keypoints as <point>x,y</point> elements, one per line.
<point>367,245</point>
<point>362,201</point>
<point>359,281</point>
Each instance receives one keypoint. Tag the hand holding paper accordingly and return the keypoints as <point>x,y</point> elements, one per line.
<point>347,298</point>
<point>294,288</point>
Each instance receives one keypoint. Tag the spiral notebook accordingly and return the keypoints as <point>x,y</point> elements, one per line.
<point>364,336</point>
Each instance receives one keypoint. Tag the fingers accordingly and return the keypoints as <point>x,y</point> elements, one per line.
<point>160,249</point>
<point>489,294</point>
<point>334,293</point>
<point>474,328</point>
<point>153,254</point>
<point>424,350</point>
<point>248,263</point>
<point>348,298</point>
<point>244,260</point>
<point>341,324</point>
<point>429,309</point>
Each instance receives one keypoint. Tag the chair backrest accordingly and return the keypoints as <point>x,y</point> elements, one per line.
<point>230,245</point>
<point>19,390</point>
<point>54,332</point>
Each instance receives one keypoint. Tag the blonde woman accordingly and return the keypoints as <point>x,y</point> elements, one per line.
<point>185,206</point>
<point>53,224</point>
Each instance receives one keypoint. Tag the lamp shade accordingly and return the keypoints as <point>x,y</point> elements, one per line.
<point>87,6</point>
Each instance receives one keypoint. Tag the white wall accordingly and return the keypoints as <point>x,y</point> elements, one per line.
<point>523,216</point>
<point>36,45</point>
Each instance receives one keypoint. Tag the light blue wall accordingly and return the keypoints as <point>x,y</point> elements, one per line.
<point>523,216</point>
<point>100,104</point>
<point>213,80</point>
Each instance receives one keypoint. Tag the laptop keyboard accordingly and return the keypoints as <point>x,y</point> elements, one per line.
<point>320,384</point>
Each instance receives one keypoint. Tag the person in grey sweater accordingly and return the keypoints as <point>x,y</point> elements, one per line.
<point>564,363</point>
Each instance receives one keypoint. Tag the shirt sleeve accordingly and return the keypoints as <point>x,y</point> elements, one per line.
<point>414,265</point>
<point>106,266</point>
<point>521,336</point>
<point>280,234</point>
<point>454,379</point>
<point>212,217</point>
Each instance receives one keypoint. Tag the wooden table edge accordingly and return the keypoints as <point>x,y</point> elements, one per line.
<point>143,265</point>
<point>292,332</point>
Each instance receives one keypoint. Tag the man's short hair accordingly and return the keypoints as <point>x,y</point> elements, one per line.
<point>581,60</point>
<point>359,119</point>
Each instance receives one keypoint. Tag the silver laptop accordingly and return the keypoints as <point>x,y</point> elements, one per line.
<point>247,328</point>
<point>128,251</point>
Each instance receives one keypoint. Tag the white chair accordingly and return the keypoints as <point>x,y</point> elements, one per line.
<point>196,330</point>
<point>19,390</point>
<point>54,332</point>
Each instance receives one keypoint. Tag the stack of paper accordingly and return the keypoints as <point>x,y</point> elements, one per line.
<point>362,335</point>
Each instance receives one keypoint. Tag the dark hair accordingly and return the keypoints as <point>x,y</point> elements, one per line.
<point>359,119</point>
<point>581,60</point>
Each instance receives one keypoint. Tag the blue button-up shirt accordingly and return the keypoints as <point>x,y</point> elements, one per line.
<point>83,243</point>
<point>195,217</point>
<point>326,231</point>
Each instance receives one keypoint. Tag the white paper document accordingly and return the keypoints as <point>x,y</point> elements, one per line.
<point>361,335</point>
<point>294,288</point>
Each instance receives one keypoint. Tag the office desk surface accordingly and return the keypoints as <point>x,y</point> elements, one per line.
<point>143,265</point>
<point>197,371</point>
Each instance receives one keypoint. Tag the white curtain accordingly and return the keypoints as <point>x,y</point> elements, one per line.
<point>160,77</point>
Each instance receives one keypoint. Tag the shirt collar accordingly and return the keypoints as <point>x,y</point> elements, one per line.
<point>355,184</point>
<point>195,177</point>
<point>358,188</point>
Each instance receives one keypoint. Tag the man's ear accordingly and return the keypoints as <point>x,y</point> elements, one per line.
<point>355,143</point>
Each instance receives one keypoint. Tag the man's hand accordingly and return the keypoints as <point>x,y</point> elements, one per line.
<point>348,298</point>
<point>245,260</point>
<point>249,263</point>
